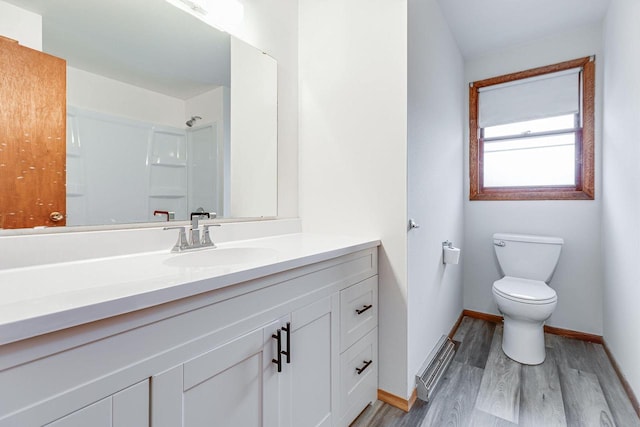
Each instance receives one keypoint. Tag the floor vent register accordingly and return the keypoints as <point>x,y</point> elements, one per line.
<point>434,367</point>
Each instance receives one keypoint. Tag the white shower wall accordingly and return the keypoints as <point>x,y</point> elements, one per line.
<point>163,169</point>
<point>215,109</point>
<point>102,184</point>
<point>205,165</point>
<point>107,118</point>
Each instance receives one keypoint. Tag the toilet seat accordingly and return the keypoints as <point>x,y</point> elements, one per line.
<point>524,290</point>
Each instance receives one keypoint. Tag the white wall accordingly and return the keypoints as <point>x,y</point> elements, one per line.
<point>578,278</point>
<point>209,105</point>
<point>101,94</point>
<point>272,25</point>
<point>254,117</point>
<point>353,150</point>
<point>435,178</point>
<point>21,25</point>
<point>621,198</point>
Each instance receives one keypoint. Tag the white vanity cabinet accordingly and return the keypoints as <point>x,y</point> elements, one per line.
<point>234,384</point>
<point>126,408</point>
<point>314,363</point>
<point>359,347</point>
<point>211,359</point>
<point>242,382</point>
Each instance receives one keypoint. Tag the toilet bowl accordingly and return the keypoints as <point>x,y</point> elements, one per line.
<point>523,295</point>
<point>525,309</point>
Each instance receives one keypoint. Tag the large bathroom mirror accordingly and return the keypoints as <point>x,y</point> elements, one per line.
<point>164,113</point>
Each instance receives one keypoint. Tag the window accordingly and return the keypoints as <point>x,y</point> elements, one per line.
<point>531,134</point>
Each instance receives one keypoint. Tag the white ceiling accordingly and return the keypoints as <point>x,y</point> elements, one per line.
<point>483,26</point>
<point>151,44</point>
<point>146,43</point>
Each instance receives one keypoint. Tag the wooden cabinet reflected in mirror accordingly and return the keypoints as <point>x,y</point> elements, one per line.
<point>32,137</point>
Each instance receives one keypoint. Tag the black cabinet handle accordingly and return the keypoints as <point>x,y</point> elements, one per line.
<point>366,365</point>
<point>287,353</point>
<point>363,309</point>
<point>278,337</point>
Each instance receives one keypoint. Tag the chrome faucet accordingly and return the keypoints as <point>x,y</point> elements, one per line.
<point>182,244</point>
<point>194,242</point>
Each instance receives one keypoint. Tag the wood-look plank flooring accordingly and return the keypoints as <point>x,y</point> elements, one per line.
<point>576,386</point>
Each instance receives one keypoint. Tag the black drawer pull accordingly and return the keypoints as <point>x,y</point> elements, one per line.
<point>366,365</point>
<point>363,309</point>
<point>287,353</point>
<point>278,337</point>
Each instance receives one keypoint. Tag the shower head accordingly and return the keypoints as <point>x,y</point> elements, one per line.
<point>192,120</point>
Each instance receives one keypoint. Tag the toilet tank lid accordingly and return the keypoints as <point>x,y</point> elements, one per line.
<point>511,237</point>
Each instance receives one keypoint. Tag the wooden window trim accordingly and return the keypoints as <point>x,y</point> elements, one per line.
<point>584,188</point>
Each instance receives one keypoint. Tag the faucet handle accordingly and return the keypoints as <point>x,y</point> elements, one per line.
<point>206,238</point>
<point>169,214</point>
<point>195,217</point>
<point>182,242</point>
<point>198,215</point>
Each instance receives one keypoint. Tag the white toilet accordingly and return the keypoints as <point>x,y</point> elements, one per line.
<point>522,295</point>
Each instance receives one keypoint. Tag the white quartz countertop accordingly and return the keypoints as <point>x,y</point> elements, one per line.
<point>46,298</point>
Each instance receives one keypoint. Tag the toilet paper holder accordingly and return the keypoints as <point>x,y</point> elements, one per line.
<point>450,255</point>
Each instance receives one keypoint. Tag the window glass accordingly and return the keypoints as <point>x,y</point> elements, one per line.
<point>531,126</point>
<point>536,161</point>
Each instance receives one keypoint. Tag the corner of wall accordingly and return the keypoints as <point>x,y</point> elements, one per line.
<point>621,205</point>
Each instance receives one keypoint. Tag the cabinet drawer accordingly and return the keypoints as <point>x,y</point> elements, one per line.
<point>358,311</point>
<point>358,377</point>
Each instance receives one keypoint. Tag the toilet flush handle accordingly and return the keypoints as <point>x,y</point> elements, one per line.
<point>501,243</point>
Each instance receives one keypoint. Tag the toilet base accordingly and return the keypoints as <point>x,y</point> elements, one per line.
<point>523,341</point>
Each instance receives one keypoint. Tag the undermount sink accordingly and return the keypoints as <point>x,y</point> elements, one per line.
<point>222,257</point>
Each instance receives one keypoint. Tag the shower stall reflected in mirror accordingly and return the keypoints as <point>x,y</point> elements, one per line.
<point>121,170</point>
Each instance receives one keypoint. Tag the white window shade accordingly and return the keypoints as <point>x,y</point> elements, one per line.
<point>528,99</point>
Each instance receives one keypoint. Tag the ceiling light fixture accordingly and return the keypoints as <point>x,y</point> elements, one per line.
<point>224,15</point>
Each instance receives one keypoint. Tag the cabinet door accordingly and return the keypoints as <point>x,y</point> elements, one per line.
<point>131,406</point>
<point>235,384</point>
<point>97,414</point>
<point>314,361</point>
<point>127,408</point>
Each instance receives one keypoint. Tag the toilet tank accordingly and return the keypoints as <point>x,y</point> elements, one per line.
<point>527,256</point>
